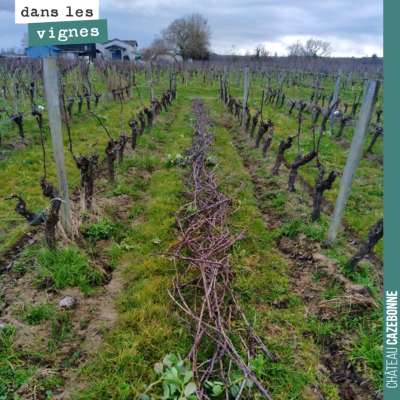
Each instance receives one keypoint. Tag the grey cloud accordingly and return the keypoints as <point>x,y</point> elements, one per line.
<point>349,26</point>
<point>7,5</point>
<point>248,23</point>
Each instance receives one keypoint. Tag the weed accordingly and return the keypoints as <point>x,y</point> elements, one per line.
<point>289,228</point>
<point>315,230</point>
<point>362,275</point>
<point>60,329</point>
<point>146,162</point>
<point>321,329</point>
<point>115,253</point>
<point>12,373</point>
<point>332,292</point>
<point>368,350</point>
<point>211,160</point>
<point>103,229</point>
<point>18,268</point>
<point>119,190</point>
<point>35,315</point>
<point>175,380</point>
<point>317,276</point>
<point>136,209</point>
<point>145,143</point>
<point>171,161</point>
<point>68,268</point>
<point>295,301</point>
<point>279,200</point>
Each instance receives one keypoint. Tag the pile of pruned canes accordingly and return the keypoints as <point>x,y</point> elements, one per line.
<point>204,289</point>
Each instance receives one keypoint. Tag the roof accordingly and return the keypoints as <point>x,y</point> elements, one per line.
<point>50,47</point>
<point>65,47</point>
<point>131,42</point>
<point>114,47</point>
<point>72,47</point>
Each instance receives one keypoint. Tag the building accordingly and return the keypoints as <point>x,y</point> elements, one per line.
<point>117,49</point>
<point>63,51</point>
<point>169,58</point>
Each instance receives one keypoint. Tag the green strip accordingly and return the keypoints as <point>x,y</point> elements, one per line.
<point>68,32</point>
<point>391,201</point>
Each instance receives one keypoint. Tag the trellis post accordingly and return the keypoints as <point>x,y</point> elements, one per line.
<point>51,86</point>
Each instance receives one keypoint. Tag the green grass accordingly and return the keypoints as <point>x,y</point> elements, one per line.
<point>36,314</point>
<point>67,268</point>
<point>13,372</point>
<point>103,229</point>
<point>332,292</point>
<point>367,347</point>
<point>60,329</point>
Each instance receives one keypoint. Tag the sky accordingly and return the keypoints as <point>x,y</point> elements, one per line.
<point>353,27</point>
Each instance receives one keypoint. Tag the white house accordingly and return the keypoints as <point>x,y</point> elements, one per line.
<point>117,49</point>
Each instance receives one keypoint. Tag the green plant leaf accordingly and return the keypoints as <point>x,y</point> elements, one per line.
<point>190,388</point>
<point>188,376</point>
<point>172,358</point>
<point>156,240</point>
<point>144,397</point>
<point>173,388</point>
<point>217,390</point>
<point>166,391</point>
<point>234,390</point>
<point>175,381</point>
<point>238,374</point>
<point>249,383</point>
<point>167,362</point>
<point>158,368</point>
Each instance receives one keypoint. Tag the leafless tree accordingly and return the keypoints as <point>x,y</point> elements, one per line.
<point>146,52</point>
<point>157,47</point>
<point>12,49</point>
<point>260,52</point>
<point>188,37</point>
<point>295,49</point>
<point>317,48</point>
<point>312,48</point>
<point>25,41</point>
<point>233,54</point>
